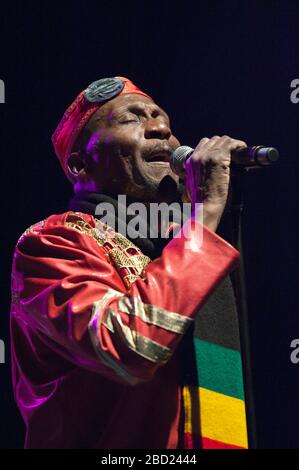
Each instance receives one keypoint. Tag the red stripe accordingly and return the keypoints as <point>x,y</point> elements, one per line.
<point>212,444</point>
<point>194,441</point>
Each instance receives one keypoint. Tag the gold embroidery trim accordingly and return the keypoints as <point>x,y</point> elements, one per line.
<point>33,228</point>
<point>153,315</point>
<point>129,266</point>
<point>138,343</point>
<point>93,328</point>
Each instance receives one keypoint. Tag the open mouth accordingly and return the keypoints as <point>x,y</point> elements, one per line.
<point>159,158</point>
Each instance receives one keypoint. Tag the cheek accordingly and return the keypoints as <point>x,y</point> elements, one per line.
<point>129,140</point>
<point>124,141</point>
<point>118,152</point>
<point>119,160</point>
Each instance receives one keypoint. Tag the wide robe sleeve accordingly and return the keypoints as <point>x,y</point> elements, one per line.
<point>71,294</point>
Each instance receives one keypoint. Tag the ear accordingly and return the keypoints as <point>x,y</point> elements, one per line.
<point>76,164</point>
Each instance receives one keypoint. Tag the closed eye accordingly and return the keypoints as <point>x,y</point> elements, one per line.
<point>123,119</point>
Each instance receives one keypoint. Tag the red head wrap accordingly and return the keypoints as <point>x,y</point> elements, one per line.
<point>80,111</point>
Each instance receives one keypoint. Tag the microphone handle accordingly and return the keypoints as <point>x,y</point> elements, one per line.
<point>242,158</point>
<point>254,157</point>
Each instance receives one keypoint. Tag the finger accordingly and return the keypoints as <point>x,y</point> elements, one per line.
<point>204,143</point>
<point>235,143</point>
<point>198,148</point>
<point>228,144</point>
<point>228,141</point>
<point>214,140</point>
<point>222,141</point>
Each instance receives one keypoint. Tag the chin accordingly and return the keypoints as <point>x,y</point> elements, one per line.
<point>168,189</point>
<point>156,186</point>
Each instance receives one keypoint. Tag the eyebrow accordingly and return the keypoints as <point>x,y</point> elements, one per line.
<point>140,108</point>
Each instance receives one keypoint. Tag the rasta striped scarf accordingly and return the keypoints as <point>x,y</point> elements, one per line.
<point>212,383</point>
<point>213,408</point>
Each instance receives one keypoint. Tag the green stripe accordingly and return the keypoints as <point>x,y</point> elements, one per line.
<point>219,369</point>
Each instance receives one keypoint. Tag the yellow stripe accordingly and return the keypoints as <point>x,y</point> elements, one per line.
<point>220,417</point>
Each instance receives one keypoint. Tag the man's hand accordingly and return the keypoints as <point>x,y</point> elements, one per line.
<point>208,176</point>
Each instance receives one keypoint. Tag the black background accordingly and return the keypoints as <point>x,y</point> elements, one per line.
<point>217,67</point>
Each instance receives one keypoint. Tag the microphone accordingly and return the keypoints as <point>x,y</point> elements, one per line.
<point>246,157</point>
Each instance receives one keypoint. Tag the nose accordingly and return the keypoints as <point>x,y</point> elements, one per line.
<point>156,129</point>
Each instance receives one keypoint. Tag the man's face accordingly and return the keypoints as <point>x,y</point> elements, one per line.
<point>130,143</point>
